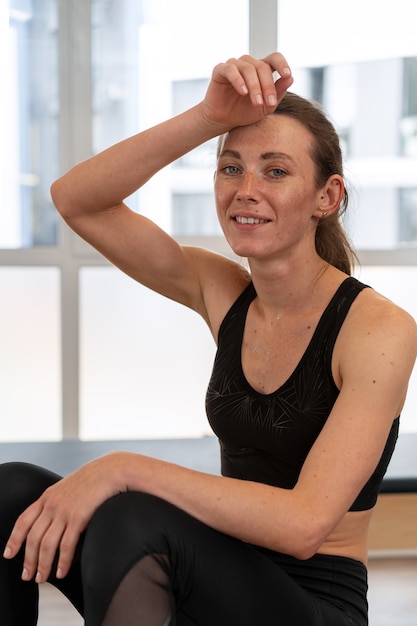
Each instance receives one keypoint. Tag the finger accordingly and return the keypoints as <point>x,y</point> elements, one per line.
<point>278,63</point>
<point>21,529</point>
<point>256,75</point>
<point>67,549</point>
<point>281,77</point>
<point>282,74</point>
<point>47,550</point>
<point>229,73</point>
<point>281,87</point>
<point>34,540</point>
<point>260,78</point>
<point>267,80</point>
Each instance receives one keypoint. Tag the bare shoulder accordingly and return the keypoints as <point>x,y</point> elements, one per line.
<point>377,334</point>
<point>377,312</point>
<point>374,355</point>
<point>375,323</point>
<point>221,281</point>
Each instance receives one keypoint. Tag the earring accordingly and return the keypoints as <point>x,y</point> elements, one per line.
<point>323,213</point>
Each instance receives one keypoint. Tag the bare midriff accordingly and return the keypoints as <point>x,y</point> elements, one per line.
<point>350,537</point>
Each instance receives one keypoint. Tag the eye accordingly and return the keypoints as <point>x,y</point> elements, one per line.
<point>232,170</point>
<point>277,172</point>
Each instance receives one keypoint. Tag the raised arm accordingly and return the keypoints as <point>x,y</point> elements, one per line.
<point>90,197</point>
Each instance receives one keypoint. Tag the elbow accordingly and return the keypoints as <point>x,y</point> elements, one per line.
<point>304,551</point>
<point>57,196</point>
<point>307,538</point>
<point>61,197</point>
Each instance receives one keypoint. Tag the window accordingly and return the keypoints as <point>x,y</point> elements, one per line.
<point>29,126</point>
<point>408,216</point>
<point>408,123</point>
<point>193,215</point>
<point>79,76</point>
<point>185,93</point>
<point>30,369</point>
<point>150,60</point>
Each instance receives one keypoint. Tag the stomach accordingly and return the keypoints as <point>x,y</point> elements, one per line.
<point>350,537</point>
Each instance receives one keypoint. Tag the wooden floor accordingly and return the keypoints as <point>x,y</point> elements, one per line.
<point>392,597</point>
<point>393,592</point>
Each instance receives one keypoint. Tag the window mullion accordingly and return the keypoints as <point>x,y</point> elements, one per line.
<point>76,141</point>
<point>263,24</point>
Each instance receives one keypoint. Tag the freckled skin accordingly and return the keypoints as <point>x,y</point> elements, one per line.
<point>279,189</point>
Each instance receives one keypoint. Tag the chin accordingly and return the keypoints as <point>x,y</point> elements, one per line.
<point>248,252</point>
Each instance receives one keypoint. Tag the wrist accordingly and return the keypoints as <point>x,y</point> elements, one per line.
<point>208,124</point>
<point>131,471</point>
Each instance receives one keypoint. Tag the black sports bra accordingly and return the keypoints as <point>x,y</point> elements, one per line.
<point>266,438</point>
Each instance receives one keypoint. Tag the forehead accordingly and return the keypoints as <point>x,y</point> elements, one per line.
<point>274,134</point>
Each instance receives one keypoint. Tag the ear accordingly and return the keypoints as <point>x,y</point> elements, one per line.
<point>330,196</point>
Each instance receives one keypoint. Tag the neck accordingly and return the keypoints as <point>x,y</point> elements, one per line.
<point>288,289</point>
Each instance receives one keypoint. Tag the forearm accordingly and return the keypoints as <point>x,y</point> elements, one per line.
<point>252,512</point>
<point>235,97</point>
<point>105,180</point>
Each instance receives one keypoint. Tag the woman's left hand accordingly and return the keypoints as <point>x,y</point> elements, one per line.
<point>56,520</point>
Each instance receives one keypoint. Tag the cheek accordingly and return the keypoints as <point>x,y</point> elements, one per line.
<point>221,199</point>
<point>219,209</point>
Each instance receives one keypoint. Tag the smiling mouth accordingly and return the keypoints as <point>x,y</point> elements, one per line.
<point>250,220</point>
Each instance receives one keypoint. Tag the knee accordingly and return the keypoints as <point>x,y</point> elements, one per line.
<point>127,518</point>
<point>21,484</point>
<point>125,528</point>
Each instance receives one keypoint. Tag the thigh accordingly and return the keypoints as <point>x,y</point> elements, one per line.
<point>214,578</point>
<point>234,583</point>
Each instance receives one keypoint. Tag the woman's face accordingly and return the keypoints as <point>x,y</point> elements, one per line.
<point>266,197</point>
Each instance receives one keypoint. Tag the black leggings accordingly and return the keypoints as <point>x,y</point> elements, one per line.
<point>144,562</point>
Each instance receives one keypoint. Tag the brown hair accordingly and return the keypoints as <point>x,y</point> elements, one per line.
<point>332,243</point>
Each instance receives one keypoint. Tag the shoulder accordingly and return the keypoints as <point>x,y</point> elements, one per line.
<point>374,320</point>
<point>374,313</point>
<point>379,338</point>
<point>221,280</point>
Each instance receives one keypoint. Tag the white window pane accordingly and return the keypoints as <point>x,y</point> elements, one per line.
<point>377,126</point>
<point>151,59</point>
<point>193,215</point>
<point>30,372</point>
<point>309,34</point>
<point>28,124</point>
<point>408,216</point>
<point>145,361</point>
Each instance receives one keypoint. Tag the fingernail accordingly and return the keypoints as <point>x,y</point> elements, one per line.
<point>272,101</point>
<point>286,71</point>
<point>7,552</point>
<point>259,99</point>
<point>38,578</point>
<point>59,573</point>
<point>244,89</point>
<point>25,574</point>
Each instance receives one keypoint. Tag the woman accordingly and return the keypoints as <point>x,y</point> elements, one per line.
<point>309,380</point>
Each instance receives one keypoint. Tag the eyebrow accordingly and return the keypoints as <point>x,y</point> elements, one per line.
<point>266,156</point>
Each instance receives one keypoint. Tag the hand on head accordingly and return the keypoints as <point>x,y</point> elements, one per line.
<point>245,90</point>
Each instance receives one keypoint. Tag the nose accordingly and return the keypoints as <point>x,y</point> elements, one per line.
<point>249,188</point>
